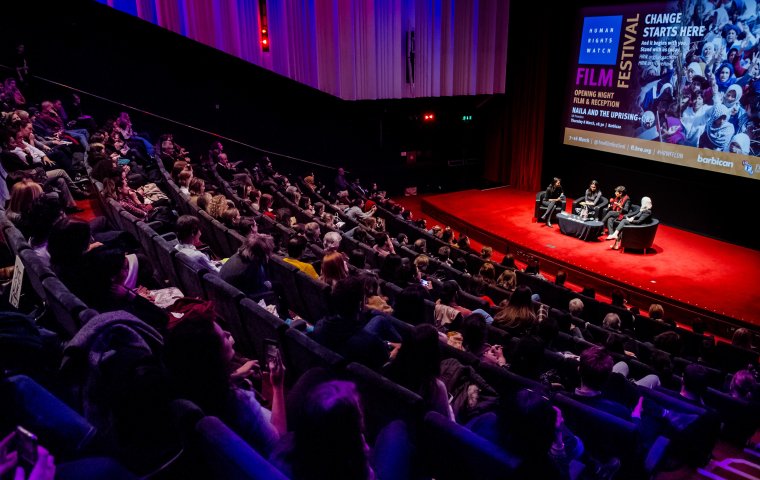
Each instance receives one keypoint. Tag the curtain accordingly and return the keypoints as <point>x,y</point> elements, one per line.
<point>354,49</point>
<point>515,140</point>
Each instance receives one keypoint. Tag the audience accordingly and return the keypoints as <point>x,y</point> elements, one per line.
<point>199,356</point>
<point>327,439</point>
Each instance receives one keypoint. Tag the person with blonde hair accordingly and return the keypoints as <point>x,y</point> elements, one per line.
<point>217,206</point>
<point>422,262</point>
<point>231,218</point>
<point>23,195</point>
<point>183,181</point>
<point>197,187</point>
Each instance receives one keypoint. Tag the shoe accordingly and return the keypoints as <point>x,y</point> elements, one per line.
<point>615,246</point>
<point>549,224</point>
<point>612,236</point>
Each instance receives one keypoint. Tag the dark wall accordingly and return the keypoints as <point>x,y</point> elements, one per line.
<point>101,50</point>
<point>115,55</point>
<point>712,204</point>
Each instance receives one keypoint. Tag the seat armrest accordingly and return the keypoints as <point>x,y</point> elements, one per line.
<point>656,454</point>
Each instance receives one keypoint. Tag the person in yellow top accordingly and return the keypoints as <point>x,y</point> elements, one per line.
<point>296,246</point>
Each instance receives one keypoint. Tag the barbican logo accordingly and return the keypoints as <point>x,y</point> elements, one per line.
<point>748,167</point>
<point>718,162</point>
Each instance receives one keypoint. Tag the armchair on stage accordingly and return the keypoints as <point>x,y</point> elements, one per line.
<point>541,209</point>
<point>639,237</point>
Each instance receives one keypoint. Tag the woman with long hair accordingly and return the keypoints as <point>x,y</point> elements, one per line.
<point>334,268</point>
<point>418,367</point>
<point>198,354</point>
<point>117,188</point>
<point>328,439</point>
<point>518,316</point>
<point>553,197</point>
<point>23,195</point>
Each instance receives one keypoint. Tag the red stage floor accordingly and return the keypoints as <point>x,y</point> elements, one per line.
<point>687,268</point>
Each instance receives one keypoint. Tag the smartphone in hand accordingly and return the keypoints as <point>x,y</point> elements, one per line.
<point>271,355</point>
<point>26,446</point>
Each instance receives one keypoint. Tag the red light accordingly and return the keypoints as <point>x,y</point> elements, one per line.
<point>263,30</point>
<point>428,117</point>
<point>264,41</point>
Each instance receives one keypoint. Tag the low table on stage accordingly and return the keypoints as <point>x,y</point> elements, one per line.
<point>572,225</point>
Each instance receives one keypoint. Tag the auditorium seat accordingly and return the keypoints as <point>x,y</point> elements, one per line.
<point>384,400</point>
<point>285,274</point>
<point>226,300</point>
<point>14,238</point>
<point>465,358</point>
<point>639,237</point>
<point>694,443</point>
<point>731,358</point>
<point>715,378</point>
<point>145,236</point>
<point>606,435</point>
<point>315,295</point>
<point>35,270</point>
<point>62,430</point>
<point>226,455</point>
<point>189,273</point>
<point>452,452</point>
<point>260,324</point>
<point>646,328</point>
<point>740,418</point>
<point>63,305</point>
<point>165,252</point>
<point>208,232</point>
<point>507,383</point>
<point>220,233</point>
<point>301,353</point>
<point>128,223</point>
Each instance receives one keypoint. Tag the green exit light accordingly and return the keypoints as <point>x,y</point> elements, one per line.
<point>466,118</point>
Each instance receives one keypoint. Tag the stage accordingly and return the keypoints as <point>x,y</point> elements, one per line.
<point>688,273</point>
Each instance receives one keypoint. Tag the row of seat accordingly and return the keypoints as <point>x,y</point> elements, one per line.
<point>508,383</point>
<point>64,311</point>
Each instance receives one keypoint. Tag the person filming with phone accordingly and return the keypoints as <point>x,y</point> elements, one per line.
<point>21,454</point>
<point>199,355</point>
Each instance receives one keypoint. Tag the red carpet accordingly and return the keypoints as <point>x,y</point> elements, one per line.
<point>686,268</point>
